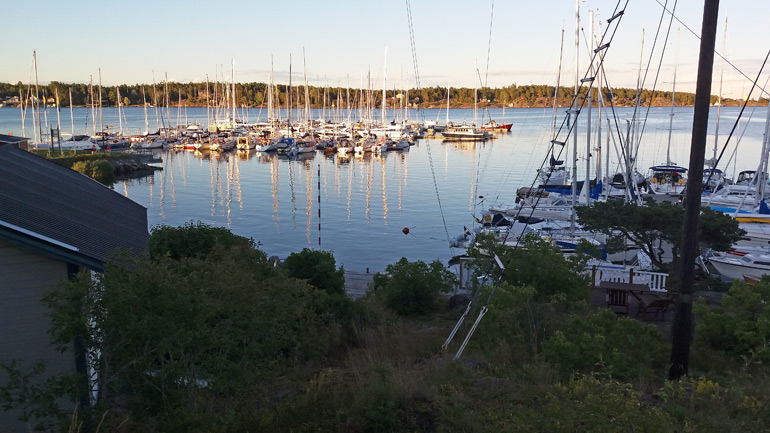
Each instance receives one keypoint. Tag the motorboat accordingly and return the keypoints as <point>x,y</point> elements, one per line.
<point>465,132</point>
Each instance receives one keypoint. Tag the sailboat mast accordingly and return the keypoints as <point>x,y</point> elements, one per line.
<point>599,103</point>
<point>120,119</point>
<point>575,114</point>
<point>168,102</point>
<point>58,117</point>
<point>719,107</point>
<point>101,118</point>
<point>93,109</point>
<point>270,93</point>
<point>348,98</point>
<point>556,90</point>
<point>288,97</point>
<point>23,119</point>
<point>208,105</point>
<point>384,76</point>
<point>72,118</point>
<point>155,101</point>
<point>587,184</point>
<point>673,103</point>
<point>144,104</point>
<point>307,93</point>
<point>37,100</point>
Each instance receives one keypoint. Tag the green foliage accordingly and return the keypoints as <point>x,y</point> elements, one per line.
<point>100,170</point>
<point>622,347</point>
<point>413,288</point>
<point>38,397</point>
<point>193,240</point>
<point>318,268</point>
<point>536,263</point>
<point>207,326</point>
<point>253,94</point>
<point>590,404</point>
<point>703,405</point>
<point>741,325</point>
<point>517,319</point>
<point>657,224</point>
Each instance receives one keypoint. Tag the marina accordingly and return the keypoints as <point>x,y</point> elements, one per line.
<point>367,200</point>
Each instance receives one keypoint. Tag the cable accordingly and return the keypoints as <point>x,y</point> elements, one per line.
<point>430,154</point>
<point>715,51</point>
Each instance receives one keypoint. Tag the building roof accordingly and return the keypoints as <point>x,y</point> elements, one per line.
<point>63,213</point>
<point>11,139</point>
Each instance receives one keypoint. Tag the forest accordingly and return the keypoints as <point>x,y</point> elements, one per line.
<point>255,95</point>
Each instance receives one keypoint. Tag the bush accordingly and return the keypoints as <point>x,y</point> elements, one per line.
<point>183,345</point>
<point>193,240</point>
<point>413,289</point>
<point>100,170</point>
<point>601,342</point>
<point>535,263</point>
<point>517,322</point>
<point>741,326</point>
<point>318,268</point>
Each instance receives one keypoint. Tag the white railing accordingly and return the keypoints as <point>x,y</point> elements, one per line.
<point>655,280</point>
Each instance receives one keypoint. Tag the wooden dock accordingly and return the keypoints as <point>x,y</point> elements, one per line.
<point>357,283</point>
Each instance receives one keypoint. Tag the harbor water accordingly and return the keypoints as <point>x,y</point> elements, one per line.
<point>434,189</point>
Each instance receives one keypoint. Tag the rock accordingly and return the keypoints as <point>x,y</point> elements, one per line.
<point>459,301</point>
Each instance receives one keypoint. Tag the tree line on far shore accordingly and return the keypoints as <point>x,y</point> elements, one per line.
<point>255,95</point>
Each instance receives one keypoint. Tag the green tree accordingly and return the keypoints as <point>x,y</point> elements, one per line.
<point>524,267</point>
<point>184,342</point>
<point>656,227</point>
<point>413,288</point>
<point>318,268</point>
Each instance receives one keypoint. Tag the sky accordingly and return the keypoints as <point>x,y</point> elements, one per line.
<point>458,43</point>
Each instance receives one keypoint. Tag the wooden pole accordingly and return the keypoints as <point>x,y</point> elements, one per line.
<point>682,327</point>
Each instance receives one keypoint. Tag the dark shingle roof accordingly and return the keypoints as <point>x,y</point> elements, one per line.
<point>58,203</point>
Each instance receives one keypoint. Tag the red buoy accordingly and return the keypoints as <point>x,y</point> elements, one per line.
<point>405,230</point>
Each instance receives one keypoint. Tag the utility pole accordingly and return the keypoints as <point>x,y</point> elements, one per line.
<point>682,327</point>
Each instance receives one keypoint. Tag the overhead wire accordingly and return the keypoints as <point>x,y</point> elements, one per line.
<point>430,154</point>
<point>715,51</point>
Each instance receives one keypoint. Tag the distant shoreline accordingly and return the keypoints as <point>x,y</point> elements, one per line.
<point>427,106</point>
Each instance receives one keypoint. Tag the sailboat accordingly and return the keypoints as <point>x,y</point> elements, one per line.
<point>669,179</point>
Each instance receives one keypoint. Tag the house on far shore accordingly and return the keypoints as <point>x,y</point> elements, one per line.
<point>54,222</point>
<point>20,142</point>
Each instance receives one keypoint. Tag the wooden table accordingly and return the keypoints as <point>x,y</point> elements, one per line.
<point>617,294</point>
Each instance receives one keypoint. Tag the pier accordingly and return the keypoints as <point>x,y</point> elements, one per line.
<point>357,283</point>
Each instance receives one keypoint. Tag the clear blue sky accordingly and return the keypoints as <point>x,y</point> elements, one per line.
<point>189,39</point>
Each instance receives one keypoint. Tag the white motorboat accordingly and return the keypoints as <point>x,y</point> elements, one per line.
<point>738,264</point>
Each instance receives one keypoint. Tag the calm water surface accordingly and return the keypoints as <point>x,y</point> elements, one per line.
<point>432,189</point>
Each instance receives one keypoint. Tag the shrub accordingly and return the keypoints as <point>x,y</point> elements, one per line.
<point>413,288</point>
<point>601,342</point>
<point>517,320</point>
<point>193,240</point>
<point>536,263</point>
<point>100,170</point>
<point>318,268</point>
<point>741,325</point>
